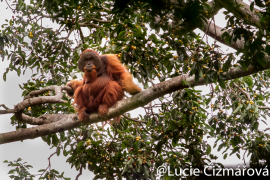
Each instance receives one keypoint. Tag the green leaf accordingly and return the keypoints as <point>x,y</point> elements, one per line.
<point>238,108</point>
<point>48,139</point>
<point>262,62</point>
<point>208,150</point>
<point>251,6</point>
<point>65,153</point>
<point>121,34</point>
<point>19,71</point>
<point>228,39</point>
<point>222,84</point>
<point>174,113</point>
<point>58,151</point>
<point>224,35</point>
<point>159,146</point>
<point>11,171</point>
<point>5,76</point>
<point>221,146</point>
<point>62,136</point>
<point>249,81</point>
<point>55,140</point>
<point>256,125</point>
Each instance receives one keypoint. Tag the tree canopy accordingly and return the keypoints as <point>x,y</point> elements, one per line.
<point>156,40</point>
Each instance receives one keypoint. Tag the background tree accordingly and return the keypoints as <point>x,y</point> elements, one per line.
<point>168,62</point>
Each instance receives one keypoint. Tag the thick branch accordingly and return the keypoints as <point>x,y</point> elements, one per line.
<point>7,111</point>
<point>70,121</point>
<point>241,10</point>
<point>215,32</point>
<point>57,90</point>
<point>29,100</point>
<point>44,119</point>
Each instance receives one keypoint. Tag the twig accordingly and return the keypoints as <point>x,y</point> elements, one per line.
<point>134,119</point>
<point>80,173</point>
<point>49,166</point>
<point>7,111</point>
<point>4,106</point>
<point>47,16</point>
<point>100,20</point>
<point>66,38</point>
<point>81,34</point>
<point>55,88</point>
<point>87,24</point>
<point>234,94</point>
<point>248,96</point>
<point>106,9</point>
<point>9,6</point>
<point>264,107</point>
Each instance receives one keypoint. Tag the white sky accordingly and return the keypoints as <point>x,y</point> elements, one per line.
<point>35,152</point>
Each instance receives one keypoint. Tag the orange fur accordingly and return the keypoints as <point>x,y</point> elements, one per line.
<point>115,67</point>
<point>97,94</point>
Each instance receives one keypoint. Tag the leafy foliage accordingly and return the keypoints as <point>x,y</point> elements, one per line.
<point>156,41</point>
<point>22,172</point>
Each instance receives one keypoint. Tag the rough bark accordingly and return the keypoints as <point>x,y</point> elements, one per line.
<point>70,121</point>
<point>241,10</point>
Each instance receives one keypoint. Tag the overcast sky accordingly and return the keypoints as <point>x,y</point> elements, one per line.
<point>36,152</point>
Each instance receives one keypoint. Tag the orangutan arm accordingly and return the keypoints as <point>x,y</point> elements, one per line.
<point>74,84</point>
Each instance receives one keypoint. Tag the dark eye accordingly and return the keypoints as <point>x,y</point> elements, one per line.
<point>88,58</point>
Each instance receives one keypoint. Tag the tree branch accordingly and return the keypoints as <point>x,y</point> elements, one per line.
<point>248,96</point>
<point>241,10</point>
<point>7,111</point>
<point>88,24</point>
<point>51,16</point>
<point>215,32</point>
<point>106,9</point>
<point>100,20</point>
<point>81,34</point>
<point>244,92</point>
<point>29,100</point>
<point>4,106</point>
<point>44,119</point>
<point>70,121</point>
<point>80,173</point>
<point>133,119</point>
